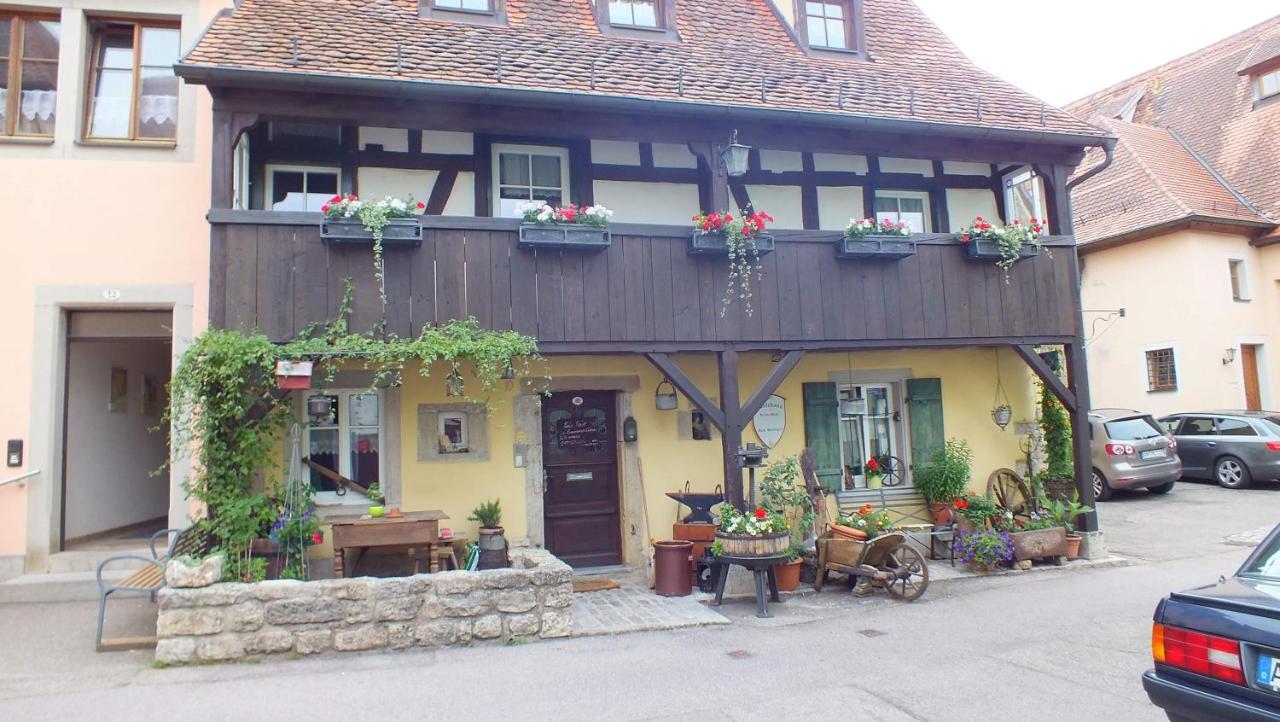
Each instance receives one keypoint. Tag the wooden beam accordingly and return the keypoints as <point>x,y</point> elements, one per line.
<point>776,376</point>
<point>441,191</point>
<point>686,386</point>
<point>1078,378</point>
<point>1046,374</point>
<point>731,433</point>
<point>717,195</point>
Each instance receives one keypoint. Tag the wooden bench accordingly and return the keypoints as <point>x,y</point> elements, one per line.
<point>149,579</point>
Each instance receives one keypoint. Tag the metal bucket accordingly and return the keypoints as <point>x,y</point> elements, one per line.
<point>671,561</point>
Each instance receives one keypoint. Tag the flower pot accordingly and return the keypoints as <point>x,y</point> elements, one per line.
<point>1073,546</point>
<point>986,249</point>
<point>567,236</point>
<point>1039,544</point>
<point>491,539</point>
<point>714,244</point>
<point>1002,416</point>
<point>848,532</point>
<point>376,511</point>
<point>788,575</point>
<point>875,248</point>
<point>745,545</point>
<point>942,512</point>
<point>874,482</point>
<point>405,232</point>
<point>671,561</point>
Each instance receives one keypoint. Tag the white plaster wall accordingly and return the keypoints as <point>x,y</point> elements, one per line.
<point>675,203</point>
<point>673,155</point>
<point>840,162</point>
<point>110,455</point>
<point>965,204</point>
<point>964,167</point>
<point>615,152</point>
<point>837,205</point>
<point>375,183</point>
<point>395,140</point>
<point>781,160</point>
<point>907,165</point>
<point>462,202</point>
<point>448,142</point>
<point>781,202</point>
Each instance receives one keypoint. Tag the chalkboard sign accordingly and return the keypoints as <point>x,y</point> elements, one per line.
<point>580,433</point>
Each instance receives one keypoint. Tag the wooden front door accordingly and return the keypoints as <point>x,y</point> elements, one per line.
<point>581,514</point>
<point>1249,363</point>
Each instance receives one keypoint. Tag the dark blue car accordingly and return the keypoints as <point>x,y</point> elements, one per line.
<point>1217,648</point>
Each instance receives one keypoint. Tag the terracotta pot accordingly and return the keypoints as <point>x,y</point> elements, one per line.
<point>848,532</point>
<point>942,512</point>
<point>788,575</point>
<point>1073,546</point>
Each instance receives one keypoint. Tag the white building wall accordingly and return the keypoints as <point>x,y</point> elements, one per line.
<point>674,203</point>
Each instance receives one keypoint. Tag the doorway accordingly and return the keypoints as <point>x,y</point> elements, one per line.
<point>116,375</point>
<point>1249,365</point>
<point>581,517</point>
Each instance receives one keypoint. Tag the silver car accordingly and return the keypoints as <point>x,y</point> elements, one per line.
<point>1131,451</point>
<point>1232,448</point>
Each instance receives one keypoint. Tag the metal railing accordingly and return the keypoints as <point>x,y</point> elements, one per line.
<point>20,477</point>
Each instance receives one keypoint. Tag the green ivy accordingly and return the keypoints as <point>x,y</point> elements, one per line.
<point>1056,425</point>
<point>227,412</point>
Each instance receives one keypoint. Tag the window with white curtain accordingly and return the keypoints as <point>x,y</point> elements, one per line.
<point>28,74</point>
<point>909,206</point>
<point>133,93</point>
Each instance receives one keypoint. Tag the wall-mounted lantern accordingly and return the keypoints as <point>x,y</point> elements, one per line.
<point>734,157</point>
<point>665,400</point>
<point>1228,356</point>
<point>629,430</point>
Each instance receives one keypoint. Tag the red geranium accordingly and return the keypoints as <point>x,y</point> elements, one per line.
<point>873,465</point>
<point>317,538</point>
<point>761,513</point>
<point>962,504</point>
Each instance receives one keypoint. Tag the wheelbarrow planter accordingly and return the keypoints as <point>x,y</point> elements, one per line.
<point>714,244</point>
<point>886,561</point>
<point>875,248</point>
<point>569,237</point>
<point>399,232</point>
<point>1048,544</point>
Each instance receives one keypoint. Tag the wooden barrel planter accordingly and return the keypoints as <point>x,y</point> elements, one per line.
<point>743,545</point>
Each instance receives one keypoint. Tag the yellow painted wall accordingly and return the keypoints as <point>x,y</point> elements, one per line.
<point>1176,292</point>
<point>968,386</point>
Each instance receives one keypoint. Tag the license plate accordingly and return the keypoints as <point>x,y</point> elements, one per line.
<point>1152,454</point>
<point>1269,672</point>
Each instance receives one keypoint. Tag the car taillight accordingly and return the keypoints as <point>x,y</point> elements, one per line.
<point>1273,446</point>
<point>1216,657</point>
<point>1121,450</point>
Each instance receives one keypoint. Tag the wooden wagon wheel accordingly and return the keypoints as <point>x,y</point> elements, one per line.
<point>892,470</point>
<point>1010,492</point>
<point>910,573</point>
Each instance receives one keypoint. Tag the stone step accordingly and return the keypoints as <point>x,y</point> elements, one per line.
<point>88,560</point>
<point>64,587</point>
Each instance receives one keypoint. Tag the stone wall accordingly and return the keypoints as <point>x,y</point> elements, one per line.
<point>529,601</point>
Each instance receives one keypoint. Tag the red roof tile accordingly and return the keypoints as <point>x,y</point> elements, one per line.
<point>727,48</point>
<point>1209,105</point>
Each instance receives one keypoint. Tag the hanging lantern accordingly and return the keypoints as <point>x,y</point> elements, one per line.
<point>319,407</point>
<point>453,384</point>
<point>1002,415</point>
<point>665,400</point>
<point>734,157</point>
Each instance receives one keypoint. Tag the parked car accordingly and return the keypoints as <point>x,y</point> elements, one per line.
<point>1131,451</point>
<point>1217,648</point>
<point>1232,448</point>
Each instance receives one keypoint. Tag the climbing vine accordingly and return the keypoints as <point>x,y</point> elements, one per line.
<point>227,412</point>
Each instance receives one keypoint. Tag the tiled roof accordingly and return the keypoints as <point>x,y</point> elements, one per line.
<point>1208,104</point>
<point>1264,53</point>
<point>1154,180</point>
<point>727,48</point>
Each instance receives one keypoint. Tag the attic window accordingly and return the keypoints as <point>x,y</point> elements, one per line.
<point>482,12</point>
<point>1266,85</point>
<point>640,19</point>
<point>830,26</point>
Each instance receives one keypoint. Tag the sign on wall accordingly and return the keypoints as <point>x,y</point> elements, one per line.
<point>770,421</point>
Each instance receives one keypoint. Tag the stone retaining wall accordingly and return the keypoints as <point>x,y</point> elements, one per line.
<point>529,601</point>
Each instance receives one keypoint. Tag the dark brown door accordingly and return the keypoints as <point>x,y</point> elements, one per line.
<point>1249,362</point>
<point>580,493</point>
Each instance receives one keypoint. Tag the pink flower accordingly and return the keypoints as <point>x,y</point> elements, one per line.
<point>324,208</point>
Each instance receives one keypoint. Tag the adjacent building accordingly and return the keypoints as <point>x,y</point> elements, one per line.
<point>1177,237</point>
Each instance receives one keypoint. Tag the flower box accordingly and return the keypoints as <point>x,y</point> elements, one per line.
<point>762,545</point>
<point>569,236</point>
<point>986,249</point>
<point>713,244</point>
<point>890,248</point>
<point>1039,544</point>
<point>399,232</point>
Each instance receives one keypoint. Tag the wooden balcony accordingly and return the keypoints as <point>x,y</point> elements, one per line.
<point>270,271</point>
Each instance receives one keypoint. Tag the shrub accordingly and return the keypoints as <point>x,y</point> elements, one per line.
<point>946,476</point>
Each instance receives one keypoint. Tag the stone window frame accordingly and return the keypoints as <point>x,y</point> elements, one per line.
<point>477,416</point>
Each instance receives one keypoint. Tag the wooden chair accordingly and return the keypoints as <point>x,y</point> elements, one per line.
<point>147,580</point>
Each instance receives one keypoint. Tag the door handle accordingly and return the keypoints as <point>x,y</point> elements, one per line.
<point>1210,443</point>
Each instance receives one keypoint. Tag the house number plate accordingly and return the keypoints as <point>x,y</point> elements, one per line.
<point>579,476</point>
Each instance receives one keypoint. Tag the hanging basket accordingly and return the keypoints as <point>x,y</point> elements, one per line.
<point>665,400</point>
<point>1002,415</point>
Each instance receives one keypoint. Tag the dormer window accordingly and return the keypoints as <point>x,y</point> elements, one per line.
<point>1267,85</point>
<point>482,12</point>
<point>639,19</point>
<point>830,26</point>
<point>481,6</point>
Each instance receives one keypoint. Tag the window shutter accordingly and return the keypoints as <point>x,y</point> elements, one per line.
<point>822,432</point>
<point>924,401</point>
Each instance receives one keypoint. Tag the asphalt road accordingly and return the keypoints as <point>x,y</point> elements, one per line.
<point>1044,646</point>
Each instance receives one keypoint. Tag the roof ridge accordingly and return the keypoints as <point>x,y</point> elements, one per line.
<point>1186,57</point>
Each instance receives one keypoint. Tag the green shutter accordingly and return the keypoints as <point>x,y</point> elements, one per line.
<point>924,401</point>
<point>822,432</point>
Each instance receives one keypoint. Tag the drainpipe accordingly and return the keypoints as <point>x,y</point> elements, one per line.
<point>1109,148</point>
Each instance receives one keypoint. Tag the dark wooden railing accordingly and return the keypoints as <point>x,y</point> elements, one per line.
<point>270,271</point>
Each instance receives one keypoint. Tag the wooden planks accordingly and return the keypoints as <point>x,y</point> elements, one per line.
<point>644,289</point>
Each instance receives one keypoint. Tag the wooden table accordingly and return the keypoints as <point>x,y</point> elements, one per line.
<point>414,528</point>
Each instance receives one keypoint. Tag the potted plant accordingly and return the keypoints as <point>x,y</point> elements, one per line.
<point>743,239</point>
<point>871,472</point>
<point>975,513</point>
<point>1035,536</point>
<point>869,239</point>
<point>375,500</point>
<point>1064,514</point>
<point>945,478</point>
<point>489,514</point>
<point>1002,414</point>
<point>1005,244</point>
<point>569,228</point>
<point>984,551</point>
<point>390,221</point>
<point>781,491</point>
<point>761,533</point>
<point>865,523</point>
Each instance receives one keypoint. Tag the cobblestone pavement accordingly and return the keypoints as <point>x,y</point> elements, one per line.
<point>632,609</point>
